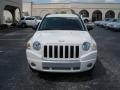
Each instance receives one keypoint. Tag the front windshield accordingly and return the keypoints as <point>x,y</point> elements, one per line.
<point>61,23</point>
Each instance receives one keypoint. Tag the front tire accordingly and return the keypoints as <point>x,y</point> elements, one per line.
<point>32,70</point>
<point>23,25</point>
<point>91,71</point>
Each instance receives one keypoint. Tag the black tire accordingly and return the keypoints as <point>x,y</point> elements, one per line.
<point>23,25</point>
<point>86,20</point>
<point>90,72</point>
<point>32,70</point>
<point>117,30</point>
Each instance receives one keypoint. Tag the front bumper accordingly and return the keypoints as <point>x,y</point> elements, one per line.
<point>85,63</point>
<point>116,28</point>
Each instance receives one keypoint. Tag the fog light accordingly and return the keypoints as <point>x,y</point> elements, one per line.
<point>33,64</point>
<point>28,46</point>
<point>89,65</point>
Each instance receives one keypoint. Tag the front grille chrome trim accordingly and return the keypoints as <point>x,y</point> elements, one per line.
<point>66,49</point>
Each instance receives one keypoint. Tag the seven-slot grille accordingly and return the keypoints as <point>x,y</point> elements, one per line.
<point>60,51</point>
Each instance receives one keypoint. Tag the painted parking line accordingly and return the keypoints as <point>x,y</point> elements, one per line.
<point>12,39</point>
<point>1,51</point>
<point>16,33</point>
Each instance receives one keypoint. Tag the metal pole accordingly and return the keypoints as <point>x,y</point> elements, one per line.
<point>31,6</point>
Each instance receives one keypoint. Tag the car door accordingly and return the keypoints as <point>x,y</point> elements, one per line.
<point>33,22</point>
<point>28,21</point>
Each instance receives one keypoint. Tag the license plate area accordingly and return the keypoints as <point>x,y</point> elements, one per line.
<point>61,66</point>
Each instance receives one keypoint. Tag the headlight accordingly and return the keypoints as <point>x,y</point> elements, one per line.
<point>36,45</point>
<point>86,46</point>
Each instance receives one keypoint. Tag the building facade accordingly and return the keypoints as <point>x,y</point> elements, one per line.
<point>11,6</point>
<point>92,11</point>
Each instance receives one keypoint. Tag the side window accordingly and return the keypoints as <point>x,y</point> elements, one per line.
<point>32,18</point>
<point>29,18</point>
<point>22,18</point>
<point>114,20</point>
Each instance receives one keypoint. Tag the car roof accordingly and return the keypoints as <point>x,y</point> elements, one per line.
<point>62,15</point>
<point>28,17</point>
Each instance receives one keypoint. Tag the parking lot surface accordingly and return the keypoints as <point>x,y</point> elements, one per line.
<point>15,73</point>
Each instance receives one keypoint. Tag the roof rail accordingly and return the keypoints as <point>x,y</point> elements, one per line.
<point>47,14</point>
<point>78,15</point>
<point>73,12</point>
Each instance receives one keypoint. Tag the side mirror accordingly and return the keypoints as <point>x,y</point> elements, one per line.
<point>89,27</point>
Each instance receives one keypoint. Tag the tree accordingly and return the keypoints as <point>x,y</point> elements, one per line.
<point>63,12</point>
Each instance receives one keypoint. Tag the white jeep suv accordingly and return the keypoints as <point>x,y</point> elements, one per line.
<point>61,43</point>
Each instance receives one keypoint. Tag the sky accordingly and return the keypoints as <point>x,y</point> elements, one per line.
<point>67,1</point>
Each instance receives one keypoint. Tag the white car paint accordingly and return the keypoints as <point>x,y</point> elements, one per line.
<point>102,22</point>
<point>114,25</point>
<point>105,23</point>
<point>61,38</point>
<point>29,22</point>
<point>97,22</point>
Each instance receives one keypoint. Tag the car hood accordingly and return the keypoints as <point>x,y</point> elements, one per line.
<point>112,23</point>
<point>58,36</point>
<point>105,22</point>
<point>39,21</point>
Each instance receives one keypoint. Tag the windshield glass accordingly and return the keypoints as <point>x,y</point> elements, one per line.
<point>61,23</point>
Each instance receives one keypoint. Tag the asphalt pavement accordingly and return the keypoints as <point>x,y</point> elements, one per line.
<point>15,73</point>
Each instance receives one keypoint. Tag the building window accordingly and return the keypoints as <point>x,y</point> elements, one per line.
<point>110,14</point>
<point>84,13</point>
<point>97,15</point>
